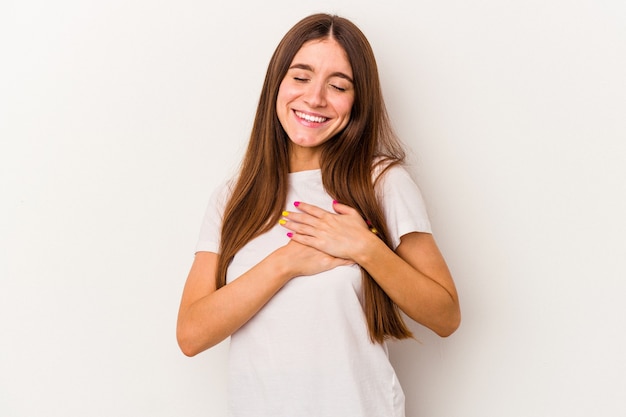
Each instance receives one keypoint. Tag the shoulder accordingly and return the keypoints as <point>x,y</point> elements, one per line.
<point>222,192</point>
<point>402,202</point>
<point>209,237</point>
<point>391,174</point>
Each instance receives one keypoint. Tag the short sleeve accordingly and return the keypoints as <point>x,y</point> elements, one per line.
<point>210,231</point>
<point>403,204</point>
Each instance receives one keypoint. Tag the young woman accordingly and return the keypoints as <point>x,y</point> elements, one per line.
<point>306,258</point>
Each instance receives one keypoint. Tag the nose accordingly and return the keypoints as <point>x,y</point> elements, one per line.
<point>315,95</point>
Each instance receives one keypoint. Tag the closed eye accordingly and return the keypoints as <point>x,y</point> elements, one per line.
<point>336,87</point>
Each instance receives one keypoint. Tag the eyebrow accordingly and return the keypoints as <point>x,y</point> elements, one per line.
<point>334,74</point>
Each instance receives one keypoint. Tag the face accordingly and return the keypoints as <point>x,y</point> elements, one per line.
<point>316,95</point>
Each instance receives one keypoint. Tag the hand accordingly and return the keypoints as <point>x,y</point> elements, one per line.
<point>341,234</point>
<point>305,260</point>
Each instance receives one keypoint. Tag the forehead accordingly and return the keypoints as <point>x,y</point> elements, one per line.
<point>322,54</point>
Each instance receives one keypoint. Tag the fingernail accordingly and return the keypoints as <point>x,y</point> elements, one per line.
<point>282,221</point>
<point>373,229</point>
<point>285,213</point>
<point>335,202</point>
<point>296,203</point>
<point>289,234</point>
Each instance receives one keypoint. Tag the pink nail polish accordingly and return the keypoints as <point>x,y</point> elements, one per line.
<point>296,203</point>
<point>335,202</point>
<point>290,235</point>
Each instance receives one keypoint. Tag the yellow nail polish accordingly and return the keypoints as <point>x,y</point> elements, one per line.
<point>282,221</point>
<point>285,213</point>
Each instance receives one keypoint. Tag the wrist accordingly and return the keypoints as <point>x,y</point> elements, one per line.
<point>369,249</point>
<point>280,267</point>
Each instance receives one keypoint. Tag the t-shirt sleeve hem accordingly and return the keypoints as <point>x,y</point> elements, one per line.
<point>410,227</point>
<point>207,247</point>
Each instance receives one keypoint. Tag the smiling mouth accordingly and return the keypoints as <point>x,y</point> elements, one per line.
<point>310,118</point>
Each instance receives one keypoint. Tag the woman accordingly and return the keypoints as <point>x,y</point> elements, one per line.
<point>306,258</point>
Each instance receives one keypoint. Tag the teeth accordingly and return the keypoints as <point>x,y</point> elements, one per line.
<point>309,118</point>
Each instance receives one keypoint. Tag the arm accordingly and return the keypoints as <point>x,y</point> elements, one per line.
<point>415,276</point>
<point>417,279</point>
<point>207,316</point>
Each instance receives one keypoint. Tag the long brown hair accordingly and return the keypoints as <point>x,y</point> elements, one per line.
<point>347,161</point>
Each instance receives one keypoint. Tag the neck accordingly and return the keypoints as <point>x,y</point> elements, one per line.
<point>303,159</point>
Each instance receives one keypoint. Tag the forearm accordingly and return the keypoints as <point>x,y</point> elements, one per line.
<point>416,278</point>
<point>212,318</point>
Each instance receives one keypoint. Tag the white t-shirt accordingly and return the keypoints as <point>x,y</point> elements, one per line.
<point>307,352</point>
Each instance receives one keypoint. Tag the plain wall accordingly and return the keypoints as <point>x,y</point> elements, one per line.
<point>118,118</point>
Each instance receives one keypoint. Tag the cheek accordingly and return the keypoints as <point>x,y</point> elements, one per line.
<point>345,108</point>
<point>287,91</point>
<point>281,103</point>
<point>285,96</point>
<point>279,97</point>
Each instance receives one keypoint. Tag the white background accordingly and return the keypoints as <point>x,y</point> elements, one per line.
<point>117,119</point>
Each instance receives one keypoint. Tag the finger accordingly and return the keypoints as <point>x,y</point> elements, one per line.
<point>299,228</point>
<point>292,220</point>
<point>294,216</point>
<point>302,239</point>
<point>310,209</point>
